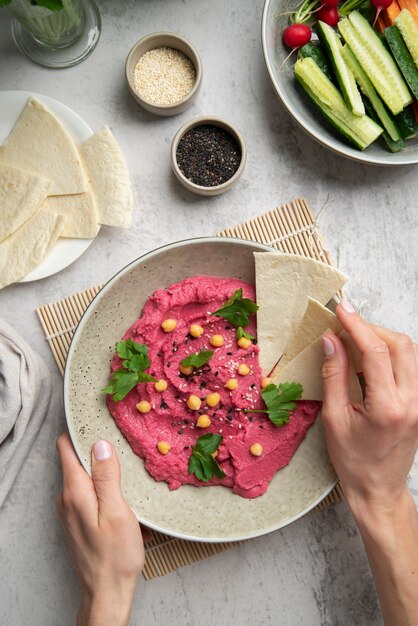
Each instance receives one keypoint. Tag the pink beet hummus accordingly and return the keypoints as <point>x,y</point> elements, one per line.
<point>191,302</point>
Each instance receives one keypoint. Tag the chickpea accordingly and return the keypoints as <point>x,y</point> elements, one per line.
<point>213,399</point>
<point>168,325</point>
<point>163,447</point>
<point>256,449</point>
<point>216,341</point>
<point>143,406</point>
<point>186,369</point>
<point>243,369</point>
<point>203,421</point>
<point>194,402</point>
<point>160,385</point>
<point>231,384</point>
<point>195,330</point>
<point>265,382</point>
<point>244,343</point>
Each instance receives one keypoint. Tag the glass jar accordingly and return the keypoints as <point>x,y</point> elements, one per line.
<point>53,29</point>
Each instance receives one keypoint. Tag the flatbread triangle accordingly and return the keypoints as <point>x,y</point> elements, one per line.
<point>40,144</point>
<point>283,284</point>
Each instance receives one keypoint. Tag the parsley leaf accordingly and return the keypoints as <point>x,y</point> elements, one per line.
<point>197,360</point>
<point>201,462</point>
<point>237,310</point>
<point>241,333</point>
<point>135,362</point>
<point>280,401</point>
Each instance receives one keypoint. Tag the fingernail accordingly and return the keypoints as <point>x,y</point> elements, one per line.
<point>102,450</point>
<point>328,346</point>
<point>347,306</point>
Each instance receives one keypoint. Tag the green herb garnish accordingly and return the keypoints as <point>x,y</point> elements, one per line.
<point>135,362</point>
<point>237,309</point>
<point>280,401</point>
<point>198,359</point>
<point>241,333</point>
<point>201,462</point>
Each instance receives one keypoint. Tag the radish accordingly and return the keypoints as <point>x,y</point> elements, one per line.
<point>380,5</point>
<point>296,35</point>
<point>329,15</point>
<point>330,3</point>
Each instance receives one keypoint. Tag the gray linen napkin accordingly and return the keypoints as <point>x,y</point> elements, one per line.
<point>25,392</point>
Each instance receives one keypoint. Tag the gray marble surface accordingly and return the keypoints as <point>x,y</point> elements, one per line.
<point>313,572</point>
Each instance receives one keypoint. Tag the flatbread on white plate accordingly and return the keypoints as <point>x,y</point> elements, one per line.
<point>109,178</point>
<point>25,248</point>
<point>21,195</point>
<point>306,369</point>
<point>40,144</point>
<point>283,284</point>
<point>79,210</point>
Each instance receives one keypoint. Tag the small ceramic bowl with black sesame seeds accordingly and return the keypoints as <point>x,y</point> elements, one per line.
<point>164,73</point>
<point>208,155</point>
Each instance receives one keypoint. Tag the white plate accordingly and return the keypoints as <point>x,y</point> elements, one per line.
<point>65,251</point>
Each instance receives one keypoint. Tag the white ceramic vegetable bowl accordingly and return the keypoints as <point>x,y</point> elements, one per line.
<point>212,514</point>
<point>274,21</point>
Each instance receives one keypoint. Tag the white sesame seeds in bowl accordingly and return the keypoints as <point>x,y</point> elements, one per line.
<point>164,73</point>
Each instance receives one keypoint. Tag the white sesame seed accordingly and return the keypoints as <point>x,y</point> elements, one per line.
<point>164,75</point>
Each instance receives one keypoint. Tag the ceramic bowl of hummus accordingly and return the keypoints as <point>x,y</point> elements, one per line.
<point>187,280</point>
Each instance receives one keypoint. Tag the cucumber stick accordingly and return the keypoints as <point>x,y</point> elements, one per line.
<point>311,50</point>
<point>369,91</point>
<point>409,31</point>
<point>394,146</point>
<point>332,45</point>
<point>361,131</point>
<point>402,57</point>
<point>406,123</point>
<point>376,61</point>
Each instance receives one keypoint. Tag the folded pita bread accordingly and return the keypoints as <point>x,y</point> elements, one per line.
<point>109,178</point>
<point>21,195</point>
<point>41,145</point>
<point>283,284</point>
<point>26,247</point>
<point>315,321</point>
<point>306,369</point>
<point>79,210</point>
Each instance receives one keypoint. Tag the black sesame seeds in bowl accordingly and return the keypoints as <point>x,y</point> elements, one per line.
<point>208,155</point>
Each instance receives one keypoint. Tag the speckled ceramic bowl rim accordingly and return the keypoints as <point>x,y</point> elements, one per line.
<point>335,144</point>
<point>127,268</point>
<point>199,121</point>
<point>197,66</point>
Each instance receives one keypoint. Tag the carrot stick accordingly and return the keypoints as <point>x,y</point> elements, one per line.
<point>391,12</point>
<point>412,6</point>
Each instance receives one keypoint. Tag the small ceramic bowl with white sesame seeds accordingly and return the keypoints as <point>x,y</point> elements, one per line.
<point>164,73</point>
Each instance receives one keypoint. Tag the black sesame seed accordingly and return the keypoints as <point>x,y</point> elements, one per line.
<point>229,353</point>
<point>180,432</point>
<point>208,155</point>
<point>252,386</point>
<point>168,364</point>
<point>163,405</point>
<point>250,419</point>
<point>227,327</point>
<point>216,373</point>
<point>202,384</point>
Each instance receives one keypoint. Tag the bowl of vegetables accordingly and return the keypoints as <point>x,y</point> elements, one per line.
<point>348,73</point>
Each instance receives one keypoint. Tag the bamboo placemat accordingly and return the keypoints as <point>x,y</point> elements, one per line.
<point>289,228</point>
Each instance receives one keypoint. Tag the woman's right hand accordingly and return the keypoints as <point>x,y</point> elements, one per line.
<point>372,446</point>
